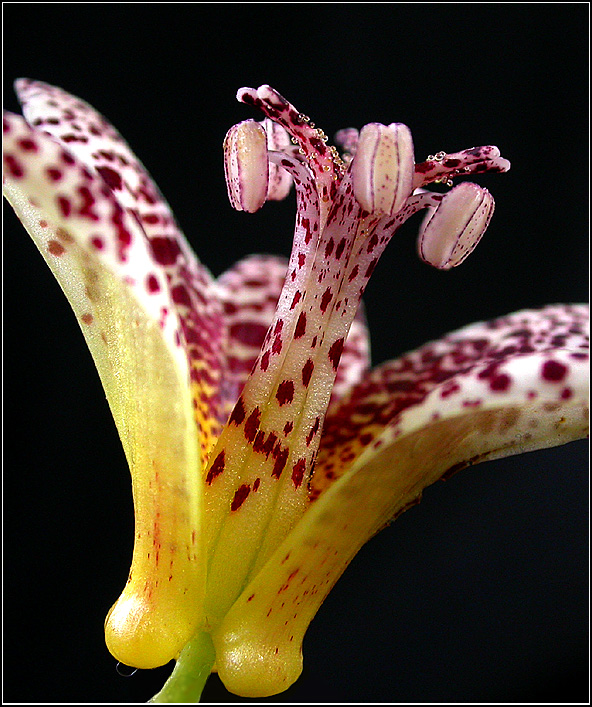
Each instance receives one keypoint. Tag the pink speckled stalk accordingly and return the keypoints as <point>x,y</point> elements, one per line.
<point>258,473</point>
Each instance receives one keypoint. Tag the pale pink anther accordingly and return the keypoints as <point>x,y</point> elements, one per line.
<point>246,166</point>
<point>451,231</point>
<point>383,167</point>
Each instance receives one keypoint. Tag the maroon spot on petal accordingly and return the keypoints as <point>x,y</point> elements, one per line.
<point>313,430</point>
<point>217,467</point>
<point>97,243</point>
<point>307,370</point>
<point>298,473</point>
<point>353,274</point>
<point>335,353</point>
<point>300,326</point>
<point>500,382</point>
<point>87,318</point>
<point>326,298</point>
<point>152,284</point>
<point>111,177</point>
<point>256,484</point>
<point>67,158</point>
<point>370,268</point>
<point>28,145</point>
<point>14,166</point>
<point>54,174</point>
<point>252,425</point>
<point>554,371</point>
<point>180,295</point>
<point>276,347</point>
<point>285,392</point>
<point>288,427</point>
<point>165,250</point>
<point>258,443</point>
<point>238,413</point>
<point>248,333</point>
<point>240,496</point>
<point>269,444</point>
<point>281,457</point>
<point>296,299</point>
<point>56,248</point>
<point>566,394</point>
<point>88,202</point>
<point>372,243</point>
<point>265,361</point>
<point>329,247</point>
<point>65,206</point>
<point>340,248</point>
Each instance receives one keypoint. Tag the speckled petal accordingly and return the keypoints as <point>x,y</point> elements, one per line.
<point>96,143</point>
<point>490,390</point>
<point>120,296</point>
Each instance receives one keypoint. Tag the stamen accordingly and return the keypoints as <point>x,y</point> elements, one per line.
<point>451,231</point>
<point>383,167</point>
<point>246,166</point>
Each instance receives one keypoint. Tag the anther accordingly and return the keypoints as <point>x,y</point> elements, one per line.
<point>383,167</point>
<point>246,166</point>
<point>450,232</point>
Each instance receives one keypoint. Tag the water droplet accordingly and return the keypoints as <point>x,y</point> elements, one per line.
<point>124,670</point>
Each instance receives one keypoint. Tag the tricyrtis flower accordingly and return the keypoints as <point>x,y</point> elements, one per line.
<point>262,450</point>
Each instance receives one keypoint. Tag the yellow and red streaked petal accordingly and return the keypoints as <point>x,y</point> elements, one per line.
<point>490,390</point>
<point>120,296</point>
<point>87,135</point>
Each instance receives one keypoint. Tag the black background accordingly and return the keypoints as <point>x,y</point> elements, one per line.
<point>480,592</point>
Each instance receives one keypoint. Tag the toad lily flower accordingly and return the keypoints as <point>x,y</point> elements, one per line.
<point>227,393</point>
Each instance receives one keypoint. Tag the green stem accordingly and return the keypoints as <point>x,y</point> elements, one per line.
<point>191,672</point>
